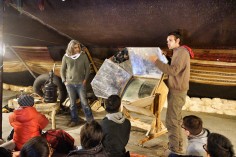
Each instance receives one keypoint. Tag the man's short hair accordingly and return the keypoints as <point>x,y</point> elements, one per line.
<point>177,35</point>
<point>193,124</point>
<point>112,104</point>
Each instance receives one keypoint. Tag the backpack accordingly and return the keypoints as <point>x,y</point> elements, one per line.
<point>60,140</point>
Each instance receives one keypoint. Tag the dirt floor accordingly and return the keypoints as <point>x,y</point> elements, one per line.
<point>214,122</point>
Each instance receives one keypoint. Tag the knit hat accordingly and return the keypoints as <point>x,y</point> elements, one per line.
<point>25,100</point>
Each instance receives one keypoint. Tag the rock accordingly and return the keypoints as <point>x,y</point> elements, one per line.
<point>215,105</point>
<point>6,86</point>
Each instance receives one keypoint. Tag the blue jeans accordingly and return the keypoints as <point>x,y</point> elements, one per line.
<point>74,90</point>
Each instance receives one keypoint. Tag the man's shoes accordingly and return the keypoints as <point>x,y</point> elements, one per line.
<point>169,153</point>
<point>79,121</point>
<point>72,124</point>
<point>64,111</point>
<point>166,153</point>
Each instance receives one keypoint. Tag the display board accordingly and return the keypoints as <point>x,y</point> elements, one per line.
<point>141,65</point>
<point>112,78</point>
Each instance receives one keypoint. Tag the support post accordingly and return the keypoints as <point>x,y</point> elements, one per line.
<point>26,66</point>
<point>1,63</point>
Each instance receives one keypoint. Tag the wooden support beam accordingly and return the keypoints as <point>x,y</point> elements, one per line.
<point>26,66</point>
<point>151,107</point>
<point>1,63</point>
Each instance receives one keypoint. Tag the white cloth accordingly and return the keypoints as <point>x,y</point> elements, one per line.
<point>117,117</point>
<point>75,56</point>
<point>161,56</point>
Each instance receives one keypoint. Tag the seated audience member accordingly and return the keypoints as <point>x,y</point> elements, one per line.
<point>197,135</point>
<point>36,147</point>
<point>91,136</point>
<point>26,121</point>
<point>116,128</point>
<point>218,146</point>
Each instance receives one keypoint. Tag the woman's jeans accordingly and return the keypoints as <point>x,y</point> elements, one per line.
<point>74,90</point>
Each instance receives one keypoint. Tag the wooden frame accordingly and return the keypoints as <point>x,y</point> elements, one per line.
<point>149,106</point>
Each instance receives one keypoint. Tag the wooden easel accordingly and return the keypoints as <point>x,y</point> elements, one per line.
<point>156,103</point>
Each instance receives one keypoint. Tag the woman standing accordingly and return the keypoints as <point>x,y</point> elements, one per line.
<point>74,73</point>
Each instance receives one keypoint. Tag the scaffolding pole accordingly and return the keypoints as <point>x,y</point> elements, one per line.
<point>1,64</point>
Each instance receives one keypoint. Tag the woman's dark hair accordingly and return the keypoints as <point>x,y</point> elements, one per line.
<point>113,104</point>
<point>91,135</point>
<point>219,146</point>
<point>5,153</point>
<point>193,124</point>
<point>35,147</point>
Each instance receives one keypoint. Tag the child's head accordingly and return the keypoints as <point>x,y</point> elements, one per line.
<point>113,104</point>
<point>25,100</point>
<point>192,124</point>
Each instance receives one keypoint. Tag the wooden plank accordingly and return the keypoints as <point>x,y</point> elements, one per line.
<point>143,102</point>
<point>139,110</point>
<point>1,63</point>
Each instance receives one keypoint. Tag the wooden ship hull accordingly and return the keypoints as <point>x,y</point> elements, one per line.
<point>212,74</point>
<point>39,33</point>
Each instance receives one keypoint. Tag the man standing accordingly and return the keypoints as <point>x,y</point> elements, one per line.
<point>178,84</point>
<point>74,73</point>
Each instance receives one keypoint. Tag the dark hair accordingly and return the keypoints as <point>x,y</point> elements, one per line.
<point>5,153</point>
<point>177,35</point>
<point>113,104</point>
<point>36,147</point>
<point>193,124</point>
<point>91,135</point>
<point>219,146</point>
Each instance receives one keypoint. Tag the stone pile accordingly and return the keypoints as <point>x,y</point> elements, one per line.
<point>215,105</point>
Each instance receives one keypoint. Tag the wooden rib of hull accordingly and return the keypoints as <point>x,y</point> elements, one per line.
<point>215,67</point>
<point>215,75</point>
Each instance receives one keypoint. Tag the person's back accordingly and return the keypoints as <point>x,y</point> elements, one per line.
<point>116,136</point>
<point>116,128</point>
<point>197,135</point>
<point>26,121</point>
<point>195,143</point>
